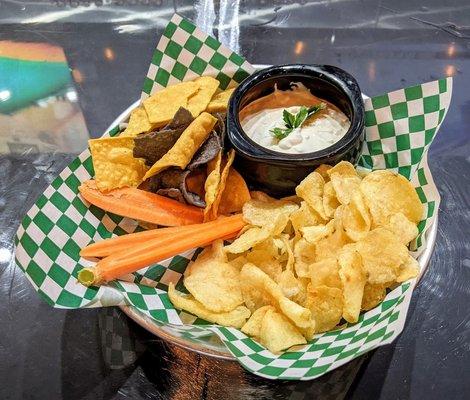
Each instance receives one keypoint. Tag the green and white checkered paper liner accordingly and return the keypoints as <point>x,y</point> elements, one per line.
<point>400,127</point>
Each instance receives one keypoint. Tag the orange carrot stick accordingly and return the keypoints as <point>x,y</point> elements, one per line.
<point>155,250</point>
<point>113,245</point>
<point>141,205</point>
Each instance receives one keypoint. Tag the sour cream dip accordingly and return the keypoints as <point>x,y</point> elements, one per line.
<point>321,130</point>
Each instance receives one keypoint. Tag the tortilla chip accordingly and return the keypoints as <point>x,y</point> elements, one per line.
<point>212,183</point>
<point>220,101</point>
<point>162,106</point>
<point>138,123</point>
<point>114,163</point>
<point>222,183</point>
<point>198,102</point>
<point>236,194</point>
<point>183,150</point>
<point>154,145</point>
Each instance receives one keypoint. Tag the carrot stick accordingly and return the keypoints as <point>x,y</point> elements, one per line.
<point>141,205</point>
<point>113,245</point>
<point>155,250</point>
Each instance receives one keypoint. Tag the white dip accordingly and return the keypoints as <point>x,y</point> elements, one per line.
<point>315,134</point>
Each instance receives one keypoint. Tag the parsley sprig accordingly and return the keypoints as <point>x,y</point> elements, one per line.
<point>292,121</point>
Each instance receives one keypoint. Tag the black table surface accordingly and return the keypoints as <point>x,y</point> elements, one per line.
<point>48,353</point>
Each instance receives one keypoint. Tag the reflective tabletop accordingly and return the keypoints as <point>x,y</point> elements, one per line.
<point>90,59</point>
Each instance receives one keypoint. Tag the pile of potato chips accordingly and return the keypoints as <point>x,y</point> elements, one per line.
<point>309,263</point>
<point>173,133</point>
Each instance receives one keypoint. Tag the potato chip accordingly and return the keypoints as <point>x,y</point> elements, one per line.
<point>323,171</point>
<point>387,193</point>
<point>382,254</point>
<point>162,106</point>
<point>212,184</point>
<point>373,295</point>
<point>330,201</point>
<point>199,101</point>
<point>222,182</point>
<point>356,218</point>
<point>186,145</point>
<point>311,190</point>
<point>114,163</point>
<point>313,234</point>
<point>236,318</point>
<point>326,305</point>
<point>238,262</point>
<point>353,278</point>
<point>262,213</point>
<point>277,332</point>
<point>289,245</point>
<point>409,269</point>
<point>304,255</point>
<point>292,287</point>
<point>404,230</point>
<point>345,186</point>
<point>235,194</point>
<point>219,102</point>
<point>305,216</point>
<point>253,325</point>
<point>325,273</point>
<point>214,283</point>
<point>247,240</point>
<point>329,246</point>
<point>265,261</point>
<point>344,168</point>
<point>270,290</point>
<point>138,123</point>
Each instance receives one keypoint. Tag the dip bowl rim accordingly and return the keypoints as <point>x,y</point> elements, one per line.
<point>336,76</point>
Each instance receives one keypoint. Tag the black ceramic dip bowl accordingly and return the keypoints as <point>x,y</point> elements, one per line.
<point>279,173</point>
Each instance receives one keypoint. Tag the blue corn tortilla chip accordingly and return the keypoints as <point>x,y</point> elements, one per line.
<point>154,145</point>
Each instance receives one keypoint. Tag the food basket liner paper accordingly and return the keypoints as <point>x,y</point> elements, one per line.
<point>400,127</point>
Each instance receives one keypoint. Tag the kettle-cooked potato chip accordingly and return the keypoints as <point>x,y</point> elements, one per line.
<point>305,216</point>
<point>313,234</point>
<point>278,333</point>
<point>323,171</point>
<point>236,318</point>
<point>253,325</point>
<point>344,168</point>
<point>187,144</point>
<point>356,217</point>
<point>162,105</point>
<point>138,123</point>
<point>261,213</point>
<point>330,201</point>
<point>304,255</point>
<point>409,269</point>
<point>219,102</point>
<point>326,306</point>
<point>404,230</point>
<point>311,190</point>
<point>247,240</point>
<point>353,278</point>
<point>330,245</point>
<point>325,273</point>
<point>387,193</point>
<point>345,186</point>
<point>382,254</point>
<point>198,102</point>
<point>265,261</point>
<point>114,163</point>
<point>214,283</point>
<point>292,287</point>
<point>373,295</point>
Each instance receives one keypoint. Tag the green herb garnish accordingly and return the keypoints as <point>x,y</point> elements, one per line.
<point>292,121</point>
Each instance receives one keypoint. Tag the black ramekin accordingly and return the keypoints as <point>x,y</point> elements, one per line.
<point>279,173</point>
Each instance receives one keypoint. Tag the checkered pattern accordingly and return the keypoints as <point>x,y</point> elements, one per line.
<point>185,52</point>
<point>400,127</point>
